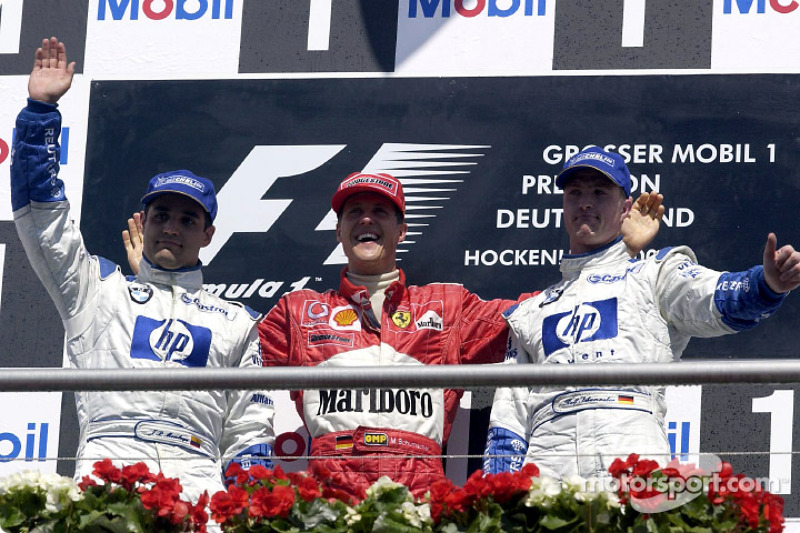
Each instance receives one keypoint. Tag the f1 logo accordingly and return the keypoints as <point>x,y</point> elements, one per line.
<point>243,209</point>
<point>632,34</point>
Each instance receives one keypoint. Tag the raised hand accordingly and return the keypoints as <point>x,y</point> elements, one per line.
<point>52,75</point>
<point>642,224</point>
<point>782,266</point>
<point>133,239</point>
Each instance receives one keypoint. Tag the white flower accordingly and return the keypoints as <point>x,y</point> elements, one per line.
<point>58,490</point>
<point>543,492</point>
<point>612,500</point>
<point>353,517</point>
<point>416,515</point>
<point>384,484</point>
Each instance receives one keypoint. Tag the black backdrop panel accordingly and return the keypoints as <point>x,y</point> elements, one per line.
<point>741,132</point>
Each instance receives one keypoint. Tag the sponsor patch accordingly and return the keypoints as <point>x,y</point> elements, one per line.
<point>550,296</point>
<point>430,320</point>
<point>205,308</point>
<point>317,338</point>
<point>376,439</point>
<point>184,180</point>
<point>344,318</point>
<point>347,317</point>
<point>614,278</point>
<point>260,397</point>
<point>423,316</point>
<point>140,294</point>
<point>401,319</point>
<point>315,312</point>
<point>170,340</point>
<point>592,155</point>
<point>587,322</point>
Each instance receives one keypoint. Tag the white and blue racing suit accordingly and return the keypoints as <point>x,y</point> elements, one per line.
<point>160,319</point>
<point>609,308</point>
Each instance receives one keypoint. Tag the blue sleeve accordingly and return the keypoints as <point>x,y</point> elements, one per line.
<point>505,451</point>
<point>258,454</point>
<point>744,298</point>
<point>35,156</point>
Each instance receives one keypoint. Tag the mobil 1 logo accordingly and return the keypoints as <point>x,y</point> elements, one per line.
<point>23,23</point>
<point>318,36</point>
<point>754,428</point>
<point>632,34</point>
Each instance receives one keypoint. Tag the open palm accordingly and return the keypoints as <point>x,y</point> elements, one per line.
<point>51,76</point>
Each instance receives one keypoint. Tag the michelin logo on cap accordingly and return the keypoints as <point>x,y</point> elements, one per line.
<point>592,155</point>
<point>185,180</point>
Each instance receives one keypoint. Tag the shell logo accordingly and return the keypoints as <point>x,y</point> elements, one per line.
<point>346,317</point>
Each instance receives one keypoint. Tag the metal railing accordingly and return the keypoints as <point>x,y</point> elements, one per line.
<point>433,376</point>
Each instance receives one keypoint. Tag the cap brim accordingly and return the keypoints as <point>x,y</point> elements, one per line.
<point>341,196</point>
<point>147,198</point>
<point>562,177</point>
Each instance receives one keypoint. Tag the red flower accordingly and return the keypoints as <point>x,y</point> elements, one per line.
<point>308,488</point>
<point>163,497</point>
<point>106,471</point>
<point>87,482</point>
<point>440,489</point>
<point>197,514</point>
<point>277,502</point>
<point>529,470</point>
<point>225,505</point>
<point>135,473</point>
<point>477,485</point>
<point>236,470</point>
<point>278,473</point>
<point>644,468</point>
<point>773,512</point>
<point>458,501</point>
<point>506,486</point>
<point>259,472</point>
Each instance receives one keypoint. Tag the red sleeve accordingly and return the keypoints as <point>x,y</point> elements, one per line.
<point>275,335</point>
<point>483,332</point>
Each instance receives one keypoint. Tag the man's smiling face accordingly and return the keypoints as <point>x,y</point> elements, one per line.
<point>369,231</point>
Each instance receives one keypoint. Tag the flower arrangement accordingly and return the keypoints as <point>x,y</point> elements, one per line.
<point>639,496</point>
<point>127,499</point>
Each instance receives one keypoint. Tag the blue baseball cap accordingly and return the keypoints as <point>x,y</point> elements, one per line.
<point>186,183</point>
<point>610,164</point>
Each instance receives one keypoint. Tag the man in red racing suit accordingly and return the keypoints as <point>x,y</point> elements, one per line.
<point>375,319</point>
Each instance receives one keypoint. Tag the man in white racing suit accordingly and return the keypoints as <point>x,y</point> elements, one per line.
<point>609,308</point>
<point>160,319</point>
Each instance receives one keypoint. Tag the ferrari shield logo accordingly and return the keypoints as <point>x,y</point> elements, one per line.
<point>401,319</point>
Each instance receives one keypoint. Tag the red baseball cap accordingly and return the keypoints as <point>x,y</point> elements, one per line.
<point>383,184</point>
